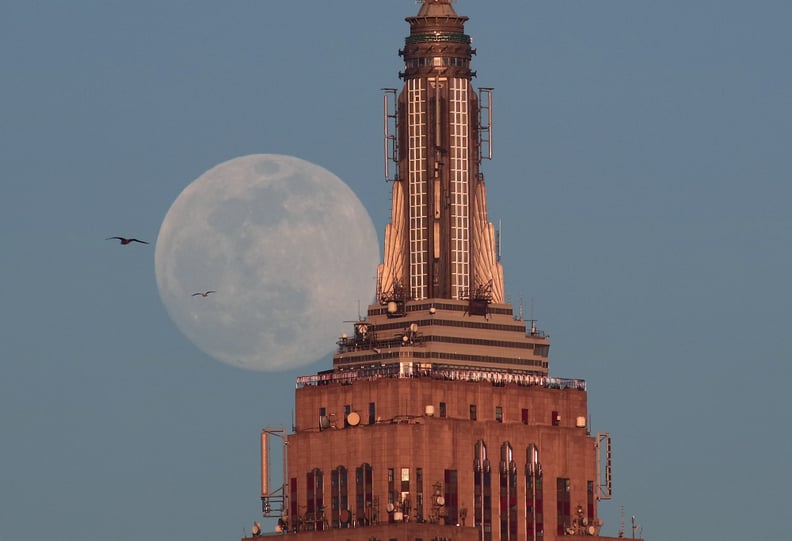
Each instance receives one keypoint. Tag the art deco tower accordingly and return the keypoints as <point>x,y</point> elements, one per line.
<point>439,419</point>
<point>439,243</point>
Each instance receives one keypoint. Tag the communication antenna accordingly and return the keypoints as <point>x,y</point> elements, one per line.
<point>391,149</point>
<point>635,527</point>
<point>532,320</point>
<point>485,123</point>
<point>604,465</point>
<point>273,502</point>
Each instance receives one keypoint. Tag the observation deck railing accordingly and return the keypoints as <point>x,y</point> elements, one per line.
<point>439,372</point>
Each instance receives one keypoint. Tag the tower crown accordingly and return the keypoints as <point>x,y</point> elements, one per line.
<point>436,8</point>
<point>440,297</point>
<point>437,42</point>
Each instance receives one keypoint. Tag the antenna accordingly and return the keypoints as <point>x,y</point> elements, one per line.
<point>532,320</point>
<point>391,127</point>
<point>520,310</point>
<point>485,123</point>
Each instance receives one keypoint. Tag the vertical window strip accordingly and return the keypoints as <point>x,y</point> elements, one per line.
<point>417,187</point>
<point>460,241</point>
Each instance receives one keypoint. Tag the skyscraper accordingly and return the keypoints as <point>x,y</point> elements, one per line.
<point>439,419</point>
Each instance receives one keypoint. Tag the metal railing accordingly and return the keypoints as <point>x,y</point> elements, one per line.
<point>440,372</point>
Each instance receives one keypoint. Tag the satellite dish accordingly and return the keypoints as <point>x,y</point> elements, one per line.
<point>324,422</point>
<point>393,307</point>
<point>440,500</point>
<point>390,508</point>
<point>592,530</point>
<point>353,418</point>
<point>413,327</point>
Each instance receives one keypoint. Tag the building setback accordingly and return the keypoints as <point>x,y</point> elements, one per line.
<point>439,419</point>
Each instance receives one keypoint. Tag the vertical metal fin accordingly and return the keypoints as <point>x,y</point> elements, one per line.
<point>485,123</point>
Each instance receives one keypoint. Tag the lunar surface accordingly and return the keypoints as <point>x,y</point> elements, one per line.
<point>288,250</point>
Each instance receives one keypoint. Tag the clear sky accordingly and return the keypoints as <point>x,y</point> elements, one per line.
<point>641,177</point>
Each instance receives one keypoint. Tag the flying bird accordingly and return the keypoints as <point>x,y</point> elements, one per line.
<point>203,293</point>
<point>124,240</point>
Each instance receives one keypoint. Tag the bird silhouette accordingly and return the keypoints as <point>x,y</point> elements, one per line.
<point>124,240</point>
<point>203,293</point>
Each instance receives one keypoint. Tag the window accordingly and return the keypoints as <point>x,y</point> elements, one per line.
<point>391,491</point>
<point>419,494</point>
<point>482,491</point>
<point>364,493</point>
<point>473,415</point>
<point>556,418</point>
<point>524,415</point>
<point>590,501</point>
<point>508,494</point>
<point>534,495</point>
<point>294,517</point>
<point>372,413</point>
<point>339,498</point>
<point>315,503</point>
<point>442,409</point>
<point>451,497</point>
<point>404,497</point>
<point>499,414</point>
<point>563,507</point>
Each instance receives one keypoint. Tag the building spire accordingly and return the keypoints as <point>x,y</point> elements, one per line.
<point>436,8</point>
<point>439,243</point>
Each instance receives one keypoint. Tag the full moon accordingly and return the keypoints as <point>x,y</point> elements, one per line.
<point>261,259</point>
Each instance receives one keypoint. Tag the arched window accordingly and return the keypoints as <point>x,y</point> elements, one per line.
<point>339,501</point>
<point>482,486</point>
<point>364,495</point>
<point>534,504</point>
<point>314,511</point>
<point>508,493</point>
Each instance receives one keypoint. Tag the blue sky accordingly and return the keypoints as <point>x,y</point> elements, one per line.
<point>641,177</point>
